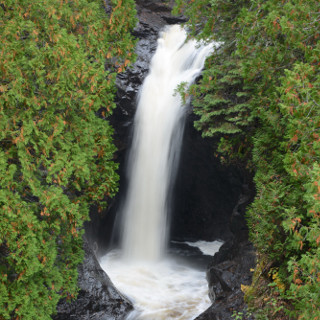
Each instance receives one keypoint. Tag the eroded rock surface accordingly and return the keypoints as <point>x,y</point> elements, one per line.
<point>231,267</point>
<point>225,279</point>
<point>98,299</point>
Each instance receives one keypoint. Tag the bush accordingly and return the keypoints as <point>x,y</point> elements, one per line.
<point>260,95</point>
<point>56,147</point>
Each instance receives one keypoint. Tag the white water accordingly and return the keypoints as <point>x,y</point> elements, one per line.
<point>207,248</point>
<point>166,290</point>
<point>159,287</point>
<point>156,143</point>
<point>163,290</point>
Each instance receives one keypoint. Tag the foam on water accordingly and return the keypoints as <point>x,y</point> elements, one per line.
<point>160,291</point>
<point>207,248</point>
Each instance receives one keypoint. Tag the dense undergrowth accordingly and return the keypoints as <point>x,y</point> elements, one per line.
<point>260,93</point>
<point>56,149</point>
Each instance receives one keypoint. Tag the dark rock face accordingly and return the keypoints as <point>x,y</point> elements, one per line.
<point>98,299</point>
<point>230,267</point>
<point>205,192</point>
<point>228,271</point>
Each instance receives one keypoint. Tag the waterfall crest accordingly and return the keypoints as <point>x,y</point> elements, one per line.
<point>154,155</point>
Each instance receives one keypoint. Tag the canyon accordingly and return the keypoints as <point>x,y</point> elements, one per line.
<point>208,204</point>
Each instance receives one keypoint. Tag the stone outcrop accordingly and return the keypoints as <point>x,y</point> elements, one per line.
<point>231,267</point>
<point>227,272</point>
<point>205,192</point>
<point>98,299</point>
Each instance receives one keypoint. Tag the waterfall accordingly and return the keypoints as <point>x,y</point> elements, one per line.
<point>159,286</point>
<point>154,155</point>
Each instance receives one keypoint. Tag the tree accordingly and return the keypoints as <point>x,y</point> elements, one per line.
<point>56,145</point>
<point>221,98</point>
<point>260,95</point>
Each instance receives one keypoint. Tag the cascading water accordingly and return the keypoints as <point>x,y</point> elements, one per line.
<point>156,143</point>
<point>159,287</point>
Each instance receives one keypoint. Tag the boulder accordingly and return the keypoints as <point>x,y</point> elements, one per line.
<point>98,299</point>
<point>230,268</point>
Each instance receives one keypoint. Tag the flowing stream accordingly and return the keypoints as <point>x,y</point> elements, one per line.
<point>159,286</point>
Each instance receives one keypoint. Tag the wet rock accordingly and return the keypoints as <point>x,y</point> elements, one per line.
<point>221,283</point>
<point>238,224</point>
<point>98,299</point>
<point>231,266</point>
<point>229,270</point>
<point>153,16</point>
<point>205,192</point>
<point>189,255</point>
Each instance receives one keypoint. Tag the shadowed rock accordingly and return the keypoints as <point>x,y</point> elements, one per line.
<point>98,299</point>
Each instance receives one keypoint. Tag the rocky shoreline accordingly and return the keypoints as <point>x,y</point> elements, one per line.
<point>98,299</point>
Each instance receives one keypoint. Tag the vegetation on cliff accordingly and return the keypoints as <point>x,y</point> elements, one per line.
<point>56,146</point>
<point>260,93</point>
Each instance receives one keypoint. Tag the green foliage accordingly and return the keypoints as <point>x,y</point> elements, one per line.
<point>241,315</point>
<point>56,147</point>
<point>221,99</point>
<point>260,94</point>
